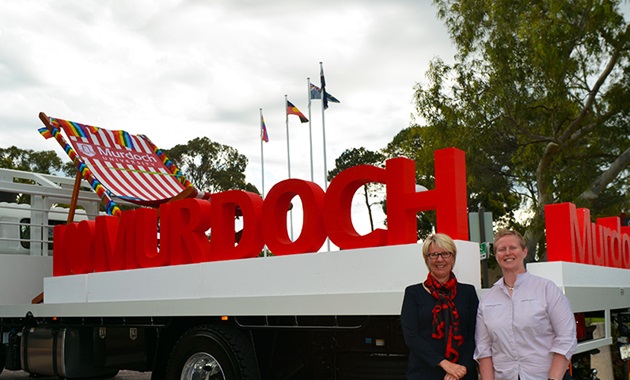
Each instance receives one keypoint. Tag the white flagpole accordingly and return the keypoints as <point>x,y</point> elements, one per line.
<point>262,156</point>
<point>323,90</point>
<point>286,122</point>
<point>310,131</point>
<point>286,119</point>
<point>262,165</point>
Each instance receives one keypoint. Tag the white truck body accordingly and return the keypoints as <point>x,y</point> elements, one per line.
<point>362,282</point>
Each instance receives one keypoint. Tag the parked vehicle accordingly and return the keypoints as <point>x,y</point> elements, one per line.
<point>317,315</point>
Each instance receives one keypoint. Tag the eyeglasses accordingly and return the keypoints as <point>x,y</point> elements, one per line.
<point>444,255</point>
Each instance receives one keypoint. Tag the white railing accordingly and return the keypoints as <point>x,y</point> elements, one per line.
<point>26,228</point>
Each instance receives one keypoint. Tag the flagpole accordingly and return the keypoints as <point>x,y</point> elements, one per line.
<point>286,121</point>
<point>323,85</point>
<point>262,156</point>
<point>310,131</point>
<point>323,89</point>
<point>262,162</point>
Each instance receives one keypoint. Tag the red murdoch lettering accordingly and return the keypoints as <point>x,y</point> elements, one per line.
<point>450,190</point>
<point>126,238</point>
<point>275,209</point>
<point>223,236</point>
<point>106,256</point>
<point>147,254</point>
<point>403,202</point>
<point>625,246</point>
<point>131,241</point>
<point>80,258</point>
<point>599,254</point>
<point>448,199</point>
<point>585,236</point>
<point>338,208</point>
<point>571,236</point>
<point>611,240</point>
<point>569,233</point>
<point>183,231</point>
<point>559,233</point>
<point>61,260</point>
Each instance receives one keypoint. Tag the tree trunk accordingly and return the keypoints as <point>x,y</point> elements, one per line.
<point>367,204</point>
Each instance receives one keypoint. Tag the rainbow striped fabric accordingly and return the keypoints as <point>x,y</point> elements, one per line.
<point>118,164</point>
<point>73,128</point>
<point>45,132</point>
<point>123,138</point>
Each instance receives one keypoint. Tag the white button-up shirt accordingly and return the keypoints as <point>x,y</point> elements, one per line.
<point>521,333</point>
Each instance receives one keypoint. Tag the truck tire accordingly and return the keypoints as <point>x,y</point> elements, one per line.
<point>212,352</point>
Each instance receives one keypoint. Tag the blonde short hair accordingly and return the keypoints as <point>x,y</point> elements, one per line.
<point>441,240</point>
<point>503,232</point>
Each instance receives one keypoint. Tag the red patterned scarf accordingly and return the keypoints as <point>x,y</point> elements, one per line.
<point>445,313</point>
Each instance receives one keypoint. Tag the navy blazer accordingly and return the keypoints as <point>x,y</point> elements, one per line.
<point>425,352</point>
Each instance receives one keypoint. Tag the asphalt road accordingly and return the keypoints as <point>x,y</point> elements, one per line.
<point>122,375</point>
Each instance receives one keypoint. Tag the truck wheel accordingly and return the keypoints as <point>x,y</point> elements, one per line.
<point>212,352</point>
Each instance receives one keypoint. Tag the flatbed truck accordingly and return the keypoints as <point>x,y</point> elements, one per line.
<point>317,315</point>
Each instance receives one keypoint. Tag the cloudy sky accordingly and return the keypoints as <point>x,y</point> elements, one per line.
<point>179,69</point>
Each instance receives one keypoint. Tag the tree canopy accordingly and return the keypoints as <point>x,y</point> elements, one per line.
<point>46,161</point>
<point>539,98</point>
<point>359,156</point>
<point>211,166</point>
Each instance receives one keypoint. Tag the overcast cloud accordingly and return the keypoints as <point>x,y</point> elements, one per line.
<point>180,69</point>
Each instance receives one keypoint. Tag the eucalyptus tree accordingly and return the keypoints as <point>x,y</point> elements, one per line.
<point>539,98</point>
<point>360,156</point>
<point>211,166</point>
<point>46,161</point>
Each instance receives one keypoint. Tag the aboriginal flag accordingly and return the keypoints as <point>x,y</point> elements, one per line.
<point>293,110</point>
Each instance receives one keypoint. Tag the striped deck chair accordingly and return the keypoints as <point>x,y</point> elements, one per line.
<point>119,165</point>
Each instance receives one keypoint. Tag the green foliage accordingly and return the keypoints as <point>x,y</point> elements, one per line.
<point>70,169</point>
<point>360,156</point>
<point>46,162</point>
<point>353,157</point>
<point>487,185</point>
<point>539,99</point>
<point>211,166</point>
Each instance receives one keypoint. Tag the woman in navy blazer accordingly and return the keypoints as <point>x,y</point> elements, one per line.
<point>438,318</point>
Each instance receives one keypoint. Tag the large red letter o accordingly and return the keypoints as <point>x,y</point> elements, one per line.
<point>275,209</point>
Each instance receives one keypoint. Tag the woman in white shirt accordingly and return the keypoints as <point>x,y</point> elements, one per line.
<point>525,326</point>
